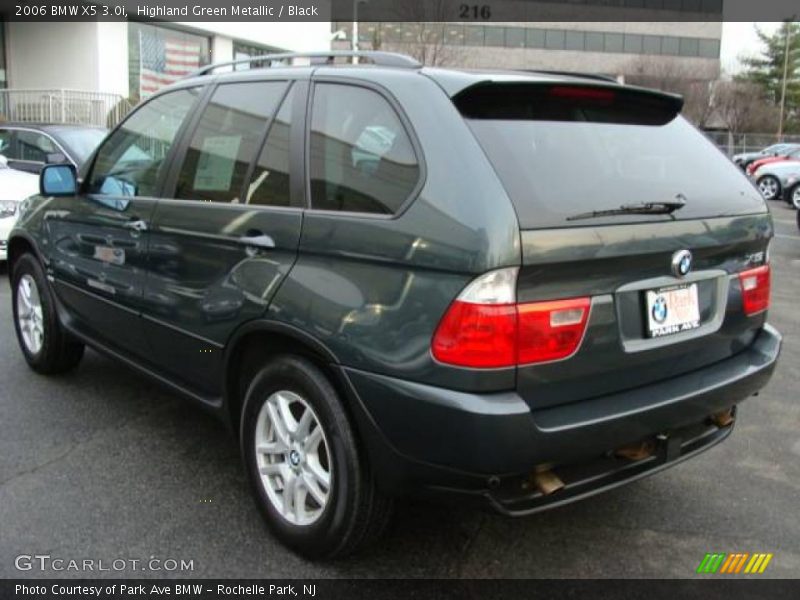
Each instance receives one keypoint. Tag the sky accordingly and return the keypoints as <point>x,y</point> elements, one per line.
<point>740,39</point>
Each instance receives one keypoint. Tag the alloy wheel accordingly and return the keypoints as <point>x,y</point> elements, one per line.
<point>293,458</point>
<point>769,187</point>
<point>29,314</point>
<point>796,197</point>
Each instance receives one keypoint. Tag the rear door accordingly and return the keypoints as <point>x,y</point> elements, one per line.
<point>567,153</point>
<point>227,231</point>
<point>98,239</point>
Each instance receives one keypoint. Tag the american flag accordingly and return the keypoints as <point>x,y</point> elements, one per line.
<point>164,60</point>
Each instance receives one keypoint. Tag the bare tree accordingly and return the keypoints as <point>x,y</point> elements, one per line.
<point>423,33</point>
<point>673,77</point>
<point>742,107</point>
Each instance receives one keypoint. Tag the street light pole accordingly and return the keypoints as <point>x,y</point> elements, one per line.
<point>785,76</point>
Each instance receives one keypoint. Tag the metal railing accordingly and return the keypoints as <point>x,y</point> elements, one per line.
<point>747,142</point>
<point>63,106</point>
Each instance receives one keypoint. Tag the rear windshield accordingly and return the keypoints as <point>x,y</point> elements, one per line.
<point>565,151</point>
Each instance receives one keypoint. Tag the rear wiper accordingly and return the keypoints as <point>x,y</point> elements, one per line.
<point>642,208</point>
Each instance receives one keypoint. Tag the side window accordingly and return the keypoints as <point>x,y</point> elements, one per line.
<point>269,185</point>
<point>226,141</point>
<point>6,138</point>
<point>33,146</point>
<point>361,158</point>
<point>130,161</point>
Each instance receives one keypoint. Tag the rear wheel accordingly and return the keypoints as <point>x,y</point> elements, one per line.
<point>47,348</point>
<point>769,187</point>
<point>311,482</point>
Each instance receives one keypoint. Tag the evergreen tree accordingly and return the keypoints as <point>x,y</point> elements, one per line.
<point>766,70</point>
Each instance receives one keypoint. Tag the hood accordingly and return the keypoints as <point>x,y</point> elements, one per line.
<point>17,185</point>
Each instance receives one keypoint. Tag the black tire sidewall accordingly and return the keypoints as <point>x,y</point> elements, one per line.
<point>322,537</point>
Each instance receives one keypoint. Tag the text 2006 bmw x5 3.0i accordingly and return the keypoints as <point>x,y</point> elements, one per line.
<point>513,290</point>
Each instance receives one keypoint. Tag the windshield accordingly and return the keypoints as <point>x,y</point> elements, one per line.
<point>569,158</point>
<point>81,142</point>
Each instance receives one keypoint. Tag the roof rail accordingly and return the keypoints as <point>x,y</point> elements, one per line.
<point>384,59</point>
<point>597,76</point>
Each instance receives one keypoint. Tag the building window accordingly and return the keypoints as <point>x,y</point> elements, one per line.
<point>242,51</point>
<point>554,39</point>
<point>495,36</point>
<point>473,35</point>
<point>515,37</point>
<point>633,43</point>
<point>613,42</point>
<point>709,48</point>
<point>454,35</point>
<point>670,45</point>
<point>689,47</point>
<point>534,38</point>
<point>159,56</point>
<point>651,44</point>
<point>574,40</point>
<point>594,41</point>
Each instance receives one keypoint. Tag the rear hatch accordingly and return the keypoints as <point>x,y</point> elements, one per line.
<point>610,186</point>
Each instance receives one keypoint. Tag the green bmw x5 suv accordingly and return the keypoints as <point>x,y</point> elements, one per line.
<point>512,290</point>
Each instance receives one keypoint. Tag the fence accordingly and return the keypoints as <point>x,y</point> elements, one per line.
<point>747,142</point>
<point>63,106</point>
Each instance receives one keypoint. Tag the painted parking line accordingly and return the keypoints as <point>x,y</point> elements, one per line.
<point>787,237</point>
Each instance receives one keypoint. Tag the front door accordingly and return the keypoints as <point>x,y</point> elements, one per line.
<point>222,243</point>
<point>98,239</point>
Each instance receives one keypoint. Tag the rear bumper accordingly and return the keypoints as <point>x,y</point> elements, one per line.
<point>483,447</point>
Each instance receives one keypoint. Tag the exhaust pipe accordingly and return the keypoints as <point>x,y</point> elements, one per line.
<point>546,481</point>
<point>637,451</point>
<point>723,419</point>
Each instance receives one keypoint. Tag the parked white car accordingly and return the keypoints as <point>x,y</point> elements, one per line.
<point>15,186</point>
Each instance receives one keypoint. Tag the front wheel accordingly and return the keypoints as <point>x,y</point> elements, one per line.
<point>47,348</point>
<point>312,482</point>
<point>794,196</point>
<point>769,187</point>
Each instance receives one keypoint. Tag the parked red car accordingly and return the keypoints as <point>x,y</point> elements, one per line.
<point>793,156</point>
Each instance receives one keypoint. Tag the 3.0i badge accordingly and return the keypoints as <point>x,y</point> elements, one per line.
<point>681,263</point>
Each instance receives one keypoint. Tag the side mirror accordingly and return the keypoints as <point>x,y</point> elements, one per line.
<point>55,158</point>
<point>58,180</point>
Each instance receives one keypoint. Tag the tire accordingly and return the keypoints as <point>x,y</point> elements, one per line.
<point>354,512</point>
<point>793,196</point>
<point>769,187</point>
<point>47,348</point>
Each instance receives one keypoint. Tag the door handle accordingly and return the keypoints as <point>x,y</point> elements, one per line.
<point>257,239</point>
<point>137,225</point>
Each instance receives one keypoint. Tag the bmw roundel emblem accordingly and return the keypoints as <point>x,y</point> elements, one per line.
<point>660,310</point>
<point>681,263</point>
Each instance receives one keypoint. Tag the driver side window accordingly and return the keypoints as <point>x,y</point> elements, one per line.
<point>130,160</point>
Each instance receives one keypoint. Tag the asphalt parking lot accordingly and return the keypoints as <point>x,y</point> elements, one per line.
<point>102,464</point>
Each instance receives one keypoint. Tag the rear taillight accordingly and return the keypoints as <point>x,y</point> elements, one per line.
<point>551,330</point>
<point>486,328</point>
<point>755,289</point>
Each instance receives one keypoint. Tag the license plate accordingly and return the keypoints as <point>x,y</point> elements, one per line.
<point>672,310</point>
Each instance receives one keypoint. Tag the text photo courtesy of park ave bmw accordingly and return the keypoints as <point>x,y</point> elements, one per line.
<point>369,299</point>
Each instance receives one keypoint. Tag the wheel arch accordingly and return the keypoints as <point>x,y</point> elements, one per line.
<point>18,244</point>
<point>256,341</point>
